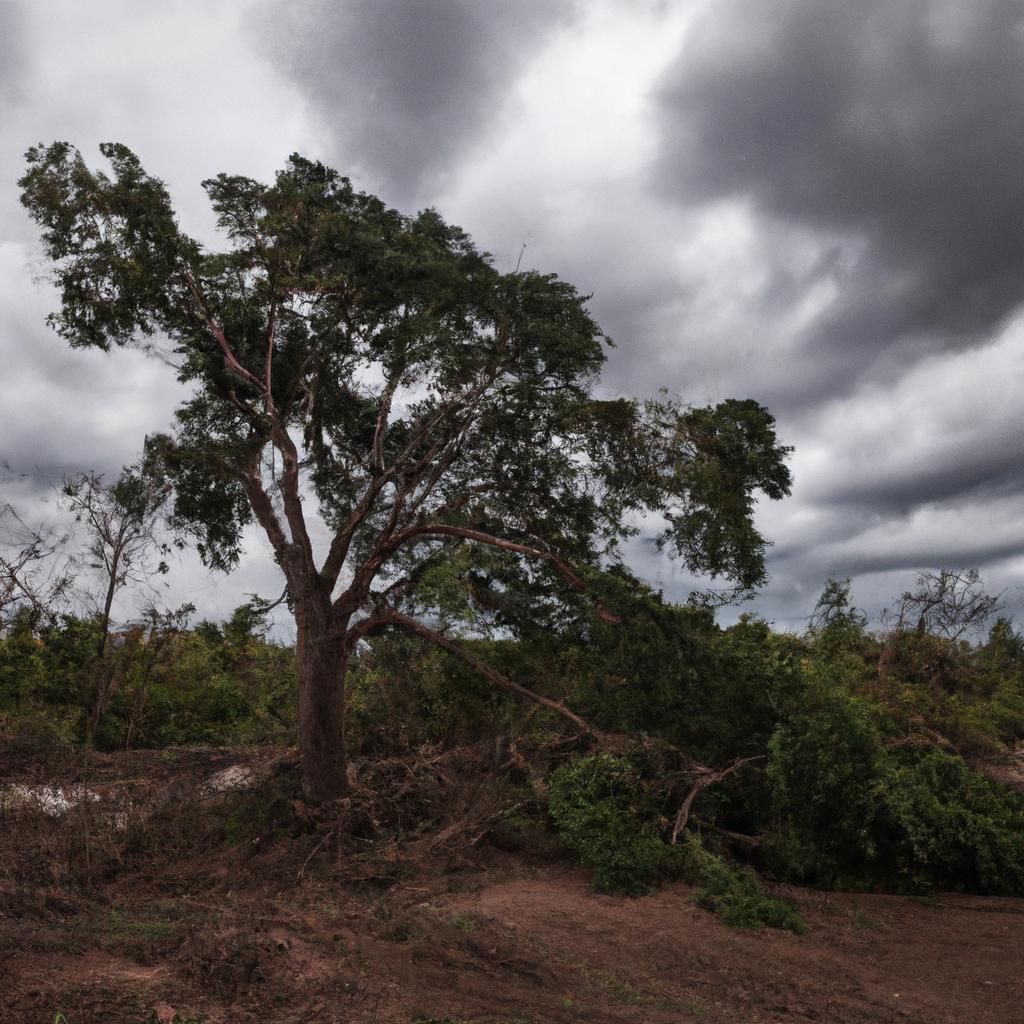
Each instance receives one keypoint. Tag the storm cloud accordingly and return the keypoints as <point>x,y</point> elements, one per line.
<point>813,204</point>
<point>892,131</point>
<point>402,86</point>
<point>12,65</point>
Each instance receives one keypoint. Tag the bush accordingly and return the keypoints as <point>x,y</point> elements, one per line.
<point>824,766</point>
<point>608,816</point>
<point>608,813</point>
<point>955,829</point>
<point>160,683</point>
<point>851,811</point>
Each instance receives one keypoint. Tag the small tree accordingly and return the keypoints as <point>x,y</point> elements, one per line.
<point>377,371</point>
<point>949,603</point>
<point>836,623</point>
<point>121,521</point>
<point>930,623</point>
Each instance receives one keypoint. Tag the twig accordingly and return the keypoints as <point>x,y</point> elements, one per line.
<point>316,849</point>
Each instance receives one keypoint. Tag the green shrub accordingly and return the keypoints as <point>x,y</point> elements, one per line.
<point>608,816</point>
<point>955,829</point>
<point>608,813</point>
<point>731,891</point>
<point>851,811</point>
<point>824,768</point>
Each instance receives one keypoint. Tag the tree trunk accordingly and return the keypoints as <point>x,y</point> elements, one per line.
<point>109,603</point>
<point>322,663</point>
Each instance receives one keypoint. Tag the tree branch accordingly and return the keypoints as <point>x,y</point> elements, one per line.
<point>217,332</point>
<point>394,617</point>
<point>267,374</point>
<point>707,778</point>
<point>289,485</point>
<point>263,509</point>
<point>377,451</point>
<point>563,567</point>
<point>343,538</point>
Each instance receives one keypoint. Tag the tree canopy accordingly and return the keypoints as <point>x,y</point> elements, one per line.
<point>375,372</point>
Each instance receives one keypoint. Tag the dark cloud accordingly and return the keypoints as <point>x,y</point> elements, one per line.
<point>405,84</point>
<point>991,473</point>
<point>973,554</point>
<point>893,129</point>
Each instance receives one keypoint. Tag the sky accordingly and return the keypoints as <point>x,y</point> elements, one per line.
<point>817,205</point>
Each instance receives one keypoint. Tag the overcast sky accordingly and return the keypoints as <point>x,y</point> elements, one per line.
<point>818,205</point>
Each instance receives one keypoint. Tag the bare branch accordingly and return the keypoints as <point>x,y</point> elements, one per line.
<point>707,778</point>
<point>31,571</point>
<point>411,625</point>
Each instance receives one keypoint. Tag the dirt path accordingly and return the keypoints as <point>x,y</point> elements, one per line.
<point>865,958</point>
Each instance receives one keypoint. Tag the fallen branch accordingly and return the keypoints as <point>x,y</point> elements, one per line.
<point>734,837</point>
<point>708,777</point>
<point>411,625</point>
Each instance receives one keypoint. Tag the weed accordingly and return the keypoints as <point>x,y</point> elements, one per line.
<point>399,931</point>
<point>116,925</point>
<point>861,920</point>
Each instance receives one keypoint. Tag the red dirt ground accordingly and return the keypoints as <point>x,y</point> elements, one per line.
<point>241,934</point>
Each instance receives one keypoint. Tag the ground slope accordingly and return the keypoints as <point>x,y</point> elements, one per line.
<point>297,926</point>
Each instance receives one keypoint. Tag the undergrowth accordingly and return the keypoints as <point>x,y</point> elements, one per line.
<point>610,817</point>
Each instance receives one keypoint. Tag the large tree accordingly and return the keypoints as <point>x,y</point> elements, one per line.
<point>374,372</point>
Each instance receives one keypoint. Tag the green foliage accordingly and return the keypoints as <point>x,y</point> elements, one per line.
<point>609,812</point>
<point>608,815</point>
<point>339,282</point>
<point>22,664</point>
<point>953,827</point>
<point>863,786</point>
<point>851,809</point>
<point>735,893</point>
<point>668,670</point>
<point>404,694</point>
<point>166,685</point>
<point>725,454</point>
<point>439,414</point>
<point>824,761</point>
<point>836,625</point>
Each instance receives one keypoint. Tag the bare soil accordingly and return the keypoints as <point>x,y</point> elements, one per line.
<point>188,910</point>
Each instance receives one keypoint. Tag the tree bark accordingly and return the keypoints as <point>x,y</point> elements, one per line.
<point>322,661</point>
